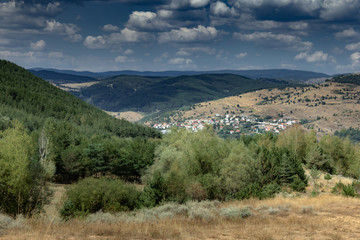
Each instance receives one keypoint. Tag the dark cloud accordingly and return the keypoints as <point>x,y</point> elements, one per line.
<point>288,13</point>
<point>130,2</point>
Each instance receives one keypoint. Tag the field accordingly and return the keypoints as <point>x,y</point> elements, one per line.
<point>327,106</point>
<point>287,216</point>
<point>323,217</point>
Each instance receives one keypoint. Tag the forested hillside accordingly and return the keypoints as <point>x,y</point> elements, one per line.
<point>150,94</point>
<point>48,134</point>
<point>352,78</point>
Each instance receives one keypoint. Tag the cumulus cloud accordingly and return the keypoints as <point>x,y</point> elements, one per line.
<point>128,52</point>
<point>22,14</point>
<point>110,28</point>
<point>220,9</point>
<point>177,61</point>
<point>121,59</point>
<point>191,50</point>
<point>38,46</point>
<point>269,39</point>
<point>241,55</point>
<point>70,30</point>
<point>347,33</point>
<point>353,46</point>
<point>318,56</point>
<point>148,21</point>
<point>198,34</point>
<point>114,39</point>
<point>95,42</point>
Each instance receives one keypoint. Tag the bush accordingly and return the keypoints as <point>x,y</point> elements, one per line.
<point>92,195</point>
<point>349,190</point>
<point>327,177</point>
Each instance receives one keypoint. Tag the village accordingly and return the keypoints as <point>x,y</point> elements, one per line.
<point>229,124</point>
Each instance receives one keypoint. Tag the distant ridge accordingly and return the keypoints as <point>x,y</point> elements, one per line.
<point>281,74</point>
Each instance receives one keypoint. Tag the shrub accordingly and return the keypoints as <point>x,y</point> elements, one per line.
<point>201,213</point>
<point>327,176</point>
<point>307,210</point>
<point>92,195</point>
<point>350,190</point>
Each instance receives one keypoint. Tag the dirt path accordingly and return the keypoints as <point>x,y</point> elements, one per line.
<point>51,210</point>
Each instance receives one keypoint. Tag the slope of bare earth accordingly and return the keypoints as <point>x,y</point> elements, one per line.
<point>328,106</point>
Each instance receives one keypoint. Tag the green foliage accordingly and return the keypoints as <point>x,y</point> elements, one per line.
<point>349,190</point>
<point>226,169</point>
<point>92,195</point>
<point>327,176</point>
<point>74,138</point>
<point>351,133</point>
<point>353,79</point>
<point>22,186</point>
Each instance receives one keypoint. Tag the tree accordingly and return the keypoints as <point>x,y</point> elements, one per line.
<point>21,175</point>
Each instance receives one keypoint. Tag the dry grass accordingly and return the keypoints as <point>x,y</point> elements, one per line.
<point>322,217</point>
<point>130,116</point>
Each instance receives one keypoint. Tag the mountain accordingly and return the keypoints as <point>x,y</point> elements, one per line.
<point>32,101</point>
<point>61,78</point>
<point>151,94</point>
<point>283,74</point>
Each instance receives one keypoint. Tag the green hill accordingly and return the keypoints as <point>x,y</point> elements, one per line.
<point>74,137</point>
<point>150,94</point>
<point>31,100</point>
<point>352,78</point>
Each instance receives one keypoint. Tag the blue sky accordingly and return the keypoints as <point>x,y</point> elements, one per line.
<point>315,35</point>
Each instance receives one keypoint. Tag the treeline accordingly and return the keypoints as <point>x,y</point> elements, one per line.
<point>351,133</point>
<point>202,166</point>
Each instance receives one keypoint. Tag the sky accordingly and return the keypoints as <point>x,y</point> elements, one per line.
<point>314,35</point>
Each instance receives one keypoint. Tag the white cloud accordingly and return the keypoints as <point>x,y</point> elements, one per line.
<point>128,35</point>
<point>10,54</point>
<point>179,61</point>
<point>198,34</point>
<point>114,39</point>
<point>56,55</point>
<point>318,56</point>
<point>347,33</point>
<point>272,40</point>
<point>38,46</point>
<point>110,28</point>
<point>23,14</point>
<point>147,21</point>
<point>68,29</point>
<point>95,42</point>
<point>220,9</point>
<point>241,55</point>
<point>355,58</point>
<point>191,50</point>
<point>353,46</point>
<point>121,59</point>
<point>128,52</point>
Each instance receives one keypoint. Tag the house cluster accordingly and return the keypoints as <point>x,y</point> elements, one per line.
<point>229,124</point>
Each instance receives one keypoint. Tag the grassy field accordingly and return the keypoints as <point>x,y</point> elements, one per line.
<point>287,216</point>
<point>323,217</point>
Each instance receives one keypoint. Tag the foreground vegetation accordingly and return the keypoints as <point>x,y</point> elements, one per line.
<point>322,217</point>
